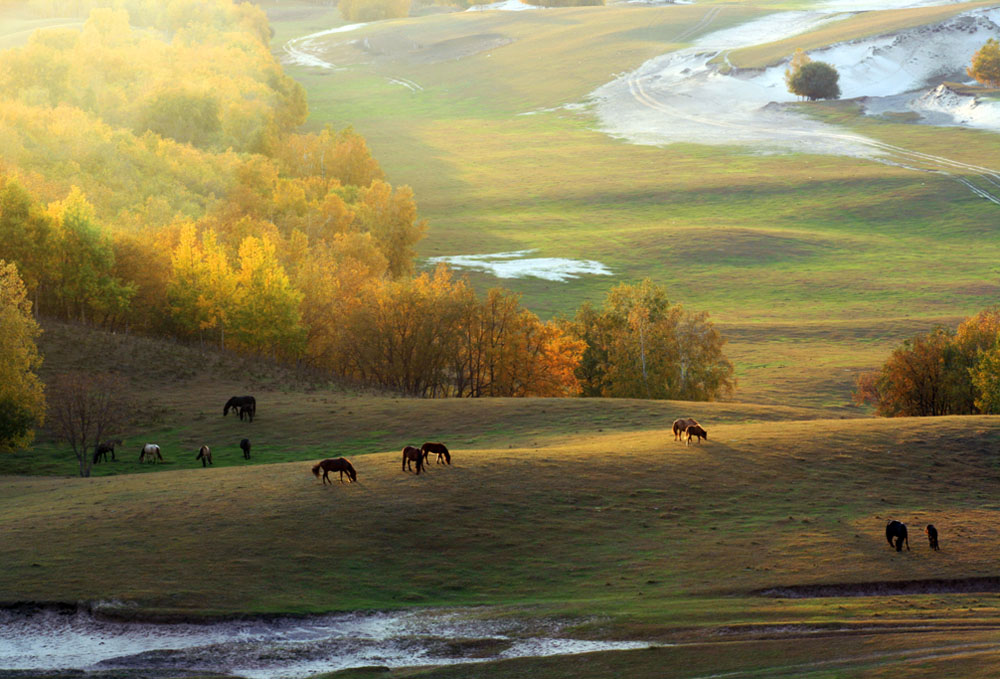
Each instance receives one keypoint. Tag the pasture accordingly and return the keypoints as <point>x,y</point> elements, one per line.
<point>814,266</point>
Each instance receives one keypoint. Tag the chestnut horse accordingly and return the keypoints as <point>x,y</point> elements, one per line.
<point>681,425</point>
<point>205,455</point>
<point>439,448</point>
<point>412,454</point>
<point>696,430</point>
<point>335,464</point>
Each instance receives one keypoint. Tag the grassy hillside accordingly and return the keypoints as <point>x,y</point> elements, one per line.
<point>585,510</point>
<point>815,265</point>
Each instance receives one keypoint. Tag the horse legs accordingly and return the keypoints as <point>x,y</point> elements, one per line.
<point>326,477</point>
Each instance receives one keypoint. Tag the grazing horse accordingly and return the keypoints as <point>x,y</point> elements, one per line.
<point>896,530</point>
<point>439,448</point>
<point>245,445</point>
<point>681,425</point>
<point>150,453</point>
<point>696,430</point>
<point>412,454</point>
<point>243,405</point>
<point>103,449</point>
<point>932,536</point>
<point>205,455</point>
<point>335,464</point>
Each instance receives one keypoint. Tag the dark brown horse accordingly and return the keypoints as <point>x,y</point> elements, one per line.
<point>681,425</point>
<point>245,445</point>
<point>335,464</point>
<point>439,448</point>
<point>205,455</point>
<point>412,454</point>
<point>103,449</point>
<point>243,405</point>
<point>696,430</point>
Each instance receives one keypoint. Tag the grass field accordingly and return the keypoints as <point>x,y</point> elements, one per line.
<point>814,266</point>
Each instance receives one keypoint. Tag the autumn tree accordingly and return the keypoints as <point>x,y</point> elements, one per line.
<point>916,380</point>
<point>390,216</point>
<point>798,60</point>
<point>26,235</point>
<point>985,66</point>
<point>638,345</point>
<point>265,317</point>
<point>84,284</point>
<point>22,402</point>
<point>86,409</point>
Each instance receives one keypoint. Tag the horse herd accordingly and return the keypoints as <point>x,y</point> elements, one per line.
<point>412,456</point>
<point>244,406</point>
<point>415,459</point>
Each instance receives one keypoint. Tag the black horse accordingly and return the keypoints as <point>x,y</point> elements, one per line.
<point>245,445</point>
<point>102,450</point>
<point>932,536</point>
<point>243,405</point>
<point>896,530</point>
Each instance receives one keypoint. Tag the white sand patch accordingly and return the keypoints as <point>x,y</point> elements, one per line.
<point>680,97</point>
<point>516,265</point>
<point>306,49</point>
<point>960,109</point>
<point>881,69</point>
<point>503,6</point>
<point>276,648</point>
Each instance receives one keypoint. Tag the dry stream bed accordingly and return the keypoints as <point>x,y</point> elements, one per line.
<point>50,639</point>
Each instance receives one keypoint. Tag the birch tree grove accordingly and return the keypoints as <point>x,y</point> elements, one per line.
<point>638,345</point>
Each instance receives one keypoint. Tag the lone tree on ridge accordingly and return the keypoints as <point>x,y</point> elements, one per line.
<point>985,66</point>
<point>815,80</point>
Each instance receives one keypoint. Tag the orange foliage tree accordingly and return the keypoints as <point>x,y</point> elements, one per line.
<point>941,372</point>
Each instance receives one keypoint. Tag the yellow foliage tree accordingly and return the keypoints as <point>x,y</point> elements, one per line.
<point>22,401</point>
<point>266,316</point>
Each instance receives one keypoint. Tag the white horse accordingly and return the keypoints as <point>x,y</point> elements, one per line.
<point>150,453</point>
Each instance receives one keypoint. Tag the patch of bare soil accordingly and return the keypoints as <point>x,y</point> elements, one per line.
<point>888,588</point>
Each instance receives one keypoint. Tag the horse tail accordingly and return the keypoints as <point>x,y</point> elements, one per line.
<point>316,471</point>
